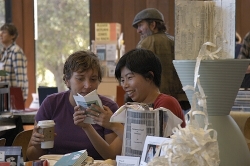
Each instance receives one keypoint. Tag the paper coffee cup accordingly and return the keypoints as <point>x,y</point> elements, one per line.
<point>47,129</point>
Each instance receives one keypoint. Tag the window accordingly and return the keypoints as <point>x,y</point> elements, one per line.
<point>61,28</point>
<point>2,12</point>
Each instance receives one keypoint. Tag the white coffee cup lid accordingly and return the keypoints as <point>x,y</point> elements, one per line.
<point>46,123</point>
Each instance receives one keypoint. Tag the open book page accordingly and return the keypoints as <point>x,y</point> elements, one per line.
<point>170,121</point>
<point>139,124</point>
<point>119,115</point>
<point>85,102</point>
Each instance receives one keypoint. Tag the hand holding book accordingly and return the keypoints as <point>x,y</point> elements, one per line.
<point>85,102</point>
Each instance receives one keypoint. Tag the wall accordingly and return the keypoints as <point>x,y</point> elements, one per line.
<point>123,11</point>
<point>23,18</point>
<point>108,87</point>
<point>242,17</point>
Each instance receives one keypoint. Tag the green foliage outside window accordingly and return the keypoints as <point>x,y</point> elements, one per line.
<point>63,28</point>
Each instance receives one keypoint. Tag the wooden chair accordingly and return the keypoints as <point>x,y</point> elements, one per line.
<point>2,141</point>
<point>22,139</point>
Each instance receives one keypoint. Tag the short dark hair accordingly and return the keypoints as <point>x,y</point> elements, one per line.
<point>81,61</point>
<point>11,28</point>
<point>143,62</point>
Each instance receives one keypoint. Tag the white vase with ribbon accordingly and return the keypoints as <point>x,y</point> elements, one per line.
<point>220,80</point>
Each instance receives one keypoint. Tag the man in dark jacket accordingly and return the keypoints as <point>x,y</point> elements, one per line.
<point>152,29</point>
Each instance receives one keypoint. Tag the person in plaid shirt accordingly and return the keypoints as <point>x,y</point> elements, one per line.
<point>12,59</point>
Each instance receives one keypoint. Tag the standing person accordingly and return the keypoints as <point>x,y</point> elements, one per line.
<point>139,72</point>
<point>12,59</point>
<point>82,74</point>
<point>153,32</point>
<point>245,54</point>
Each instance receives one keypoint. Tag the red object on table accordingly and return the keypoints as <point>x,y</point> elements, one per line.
<point>4,163</point>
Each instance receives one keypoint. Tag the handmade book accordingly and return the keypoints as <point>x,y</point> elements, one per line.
<point>140,120</point>
<point>85,102</point>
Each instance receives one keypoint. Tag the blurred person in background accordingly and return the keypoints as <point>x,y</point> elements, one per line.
<point>150,24</point>
<point>13,60</point>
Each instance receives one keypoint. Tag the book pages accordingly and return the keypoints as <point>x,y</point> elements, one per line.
<point>142,123</point>
<point>139,124</point>
<point>85,102</point>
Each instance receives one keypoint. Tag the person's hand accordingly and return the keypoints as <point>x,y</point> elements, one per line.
<point>100,116</point>
<point>79,116</point>
<point>36,137</point>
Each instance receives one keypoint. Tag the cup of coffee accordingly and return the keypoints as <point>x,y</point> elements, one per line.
<point>47,129</point>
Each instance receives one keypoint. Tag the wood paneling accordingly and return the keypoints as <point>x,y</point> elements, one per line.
<point>124,11</point>
<point>121,11</point>
<point>23,18</point>
<point>130,36</point>
<point>18,20</point>
<point>242,17</point>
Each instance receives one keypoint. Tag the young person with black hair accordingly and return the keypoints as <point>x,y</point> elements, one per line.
<point>139,72</point>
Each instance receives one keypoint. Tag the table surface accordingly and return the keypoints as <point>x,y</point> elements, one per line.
<point>6,123</point>
<point>7,127</point>
<point>27,118</point>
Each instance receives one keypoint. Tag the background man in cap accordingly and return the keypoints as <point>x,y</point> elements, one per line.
<point>152,29</point>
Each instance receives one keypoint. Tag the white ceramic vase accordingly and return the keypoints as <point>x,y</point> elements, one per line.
<point>220,80</point>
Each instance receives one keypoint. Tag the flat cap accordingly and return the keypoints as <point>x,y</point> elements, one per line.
<point>149,13</point>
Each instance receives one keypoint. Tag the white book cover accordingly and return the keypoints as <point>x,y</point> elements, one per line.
<point>85,102</point>
<point>139,123</point>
